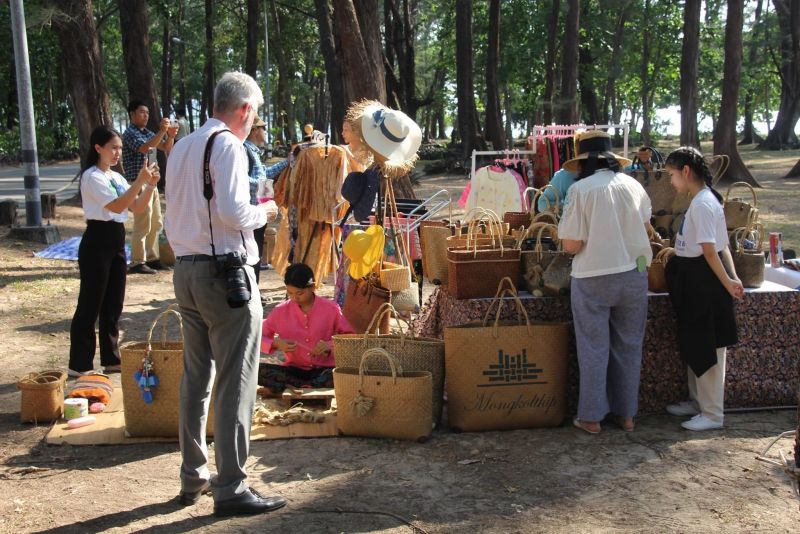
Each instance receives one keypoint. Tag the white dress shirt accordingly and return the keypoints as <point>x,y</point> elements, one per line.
<point>98,188</point>
<point>606,211</point>
<point>186,220</point>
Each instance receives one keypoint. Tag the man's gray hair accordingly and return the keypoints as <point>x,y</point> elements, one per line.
<point>235,89</point>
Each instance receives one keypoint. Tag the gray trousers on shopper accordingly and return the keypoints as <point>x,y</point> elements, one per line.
<point>610,313</point>
<point>222,341</point>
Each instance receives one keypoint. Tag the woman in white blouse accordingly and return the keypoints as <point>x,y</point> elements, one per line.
<point>106,198</point>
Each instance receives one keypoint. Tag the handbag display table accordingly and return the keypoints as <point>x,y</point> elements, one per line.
<point>763,369</point>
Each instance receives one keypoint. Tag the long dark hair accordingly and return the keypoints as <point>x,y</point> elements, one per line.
<point>100,136</point>
<point>688,155</point>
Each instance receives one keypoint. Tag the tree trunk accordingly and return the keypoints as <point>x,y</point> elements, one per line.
<point>183,102</point>
<point>645,77</point>
<point>494,119</point>
<point>591,108</point>
<point>782,134</point>
<point>567,105</point>
<point>467,113</point>
<point>285,107</point>
<point>363,77</point>
<point>83,65</point>
<point>133,21</point>
<point>333,68</point>
<point>207,105</point>
<point>690,57</point>
<point>725,132</point>
<point>749,135</point>
<point>166,67</point>
<point>550,61</point>
<point>615,70</point>
<point>509,122</point>
<point>253,37</point>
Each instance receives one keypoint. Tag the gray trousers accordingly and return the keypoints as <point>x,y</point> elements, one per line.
<point>610,313</point>
<point>224,342</point>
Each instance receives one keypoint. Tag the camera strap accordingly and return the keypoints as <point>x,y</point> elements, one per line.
<point>208,190</point>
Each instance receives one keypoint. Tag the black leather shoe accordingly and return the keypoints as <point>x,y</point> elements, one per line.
<point>158,266</point>
<point>248,503</point>
<point>141,269</point>
<point>188,498</point>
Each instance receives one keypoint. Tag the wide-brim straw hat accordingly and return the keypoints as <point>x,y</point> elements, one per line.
<point>392,136</point>
<point>364,249</point>
<point>593,142</point>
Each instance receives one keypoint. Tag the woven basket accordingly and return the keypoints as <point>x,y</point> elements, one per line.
<point>475,273</point>
<point>433,240</point>
<point>657,272</point>
<point>394,276</point>
<point>159,418</point>
<point>738,213</point>
<point>42,399</point>
<point>395,405</point>
<point>412,353</point>
<point>658,186</point>
<point>749,264</point>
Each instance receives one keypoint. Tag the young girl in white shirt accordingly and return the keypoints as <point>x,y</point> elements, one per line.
<point>106,199</point>
<point>702,283</point>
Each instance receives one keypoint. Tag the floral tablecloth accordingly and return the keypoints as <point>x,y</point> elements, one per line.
<point>763,368</point>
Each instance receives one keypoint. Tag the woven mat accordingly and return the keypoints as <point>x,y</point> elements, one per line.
<point>109,429</point>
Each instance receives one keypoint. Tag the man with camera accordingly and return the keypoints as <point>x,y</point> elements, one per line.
<point>210,226</point>
<point>139,144</point>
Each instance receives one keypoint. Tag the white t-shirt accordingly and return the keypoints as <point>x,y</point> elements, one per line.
<point>606,211</point>
<point>98,188</point>
<point>704,222</point>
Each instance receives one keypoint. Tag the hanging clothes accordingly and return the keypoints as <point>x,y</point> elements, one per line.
<point>497,191</point>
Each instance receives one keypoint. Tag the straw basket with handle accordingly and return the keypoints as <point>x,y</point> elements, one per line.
<point>656,273</point>
<point>411,352</point>
<point>738,212</point>
<point>517,219</point>
<point>42,399</point>
<point>380,404</point>
<point>749,264</point>
<point>160,417</point>
<point>555,206</point>
<point>534,262</point>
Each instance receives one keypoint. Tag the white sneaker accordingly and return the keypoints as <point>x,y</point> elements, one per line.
<point>701,422</point>
<point>683,409</point>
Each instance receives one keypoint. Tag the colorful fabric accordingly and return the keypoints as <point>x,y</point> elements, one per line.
<point>68,250</point>
<point>278,377</point>
<point>96,387</point>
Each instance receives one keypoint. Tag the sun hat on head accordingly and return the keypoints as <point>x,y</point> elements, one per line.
<point>364,249</point>
<point>392,136</point>
<point>591,145</point>
<point>258,122</point>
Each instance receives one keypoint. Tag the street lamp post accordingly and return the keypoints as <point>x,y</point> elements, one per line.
<point>33,230</point>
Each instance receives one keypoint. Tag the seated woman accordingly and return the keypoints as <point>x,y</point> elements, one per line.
<point>300,329</point>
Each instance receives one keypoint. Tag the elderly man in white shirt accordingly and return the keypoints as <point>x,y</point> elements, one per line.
<point>210,227</point>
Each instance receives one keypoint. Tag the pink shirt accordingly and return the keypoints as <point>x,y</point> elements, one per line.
<point>290,323</point>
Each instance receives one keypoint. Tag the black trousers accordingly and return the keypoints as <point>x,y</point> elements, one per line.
<point>258,235</point>
<point>101,260</point>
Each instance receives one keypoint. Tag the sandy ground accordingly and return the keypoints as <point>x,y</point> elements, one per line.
<point>656,479</point>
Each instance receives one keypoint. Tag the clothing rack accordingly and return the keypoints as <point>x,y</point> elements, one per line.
<point>426,210</point>
<point>570,129</point>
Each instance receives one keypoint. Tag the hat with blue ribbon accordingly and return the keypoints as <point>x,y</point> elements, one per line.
<point>391,135</point>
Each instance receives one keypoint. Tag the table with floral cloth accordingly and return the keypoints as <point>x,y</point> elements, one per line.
<point>763,368</point>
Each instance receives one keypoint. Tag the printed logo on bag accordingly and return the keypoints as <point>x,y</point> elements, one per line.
<point>512,370</point>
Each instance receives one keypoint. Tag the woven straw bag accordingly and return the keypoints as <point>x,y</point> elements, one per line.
<point>379,404</point>
<point>738,212</point>
<point>433,241</point>
<point>159,418</point>
<point>42,396</point>
<point>535,262</point>
<point>412,353</point>
<point>394,276</point>
<point>749,264</point>
<point>656,273</point>
<point>658,186</point>
<point>520,219</point>
<point>554,208</point>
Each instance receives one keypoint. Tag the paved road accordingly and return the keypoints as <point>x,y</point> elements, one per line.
<point>51,179</point>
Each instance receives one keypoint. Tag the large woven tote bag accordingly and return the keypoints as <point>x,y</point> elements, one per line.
<point>506,374</point>
<point>411,353</point>
<point>395,405</point>
<point>160,417</point>
<point>740,213</point>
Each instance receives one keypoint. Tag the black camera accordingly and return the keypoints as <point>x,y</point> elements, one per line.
<point>237,285</point>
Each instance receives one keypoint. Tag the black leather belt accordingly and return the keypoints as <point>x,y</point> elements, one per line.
<point>199,257</point>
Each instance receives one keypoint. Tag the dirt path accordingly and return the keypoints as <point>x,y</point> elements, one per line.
<point>658,478</point>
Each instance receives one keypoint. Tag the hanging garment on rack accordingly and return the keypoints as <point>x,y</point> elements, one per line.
<point>307,198</point>
<point>497,191</point>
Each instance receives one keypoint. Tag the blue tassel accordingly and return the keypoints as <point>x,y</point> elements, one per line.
<point>143,382</point>
<point>137,376</point>
<point>152,381</point>
<point>148,396</point>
